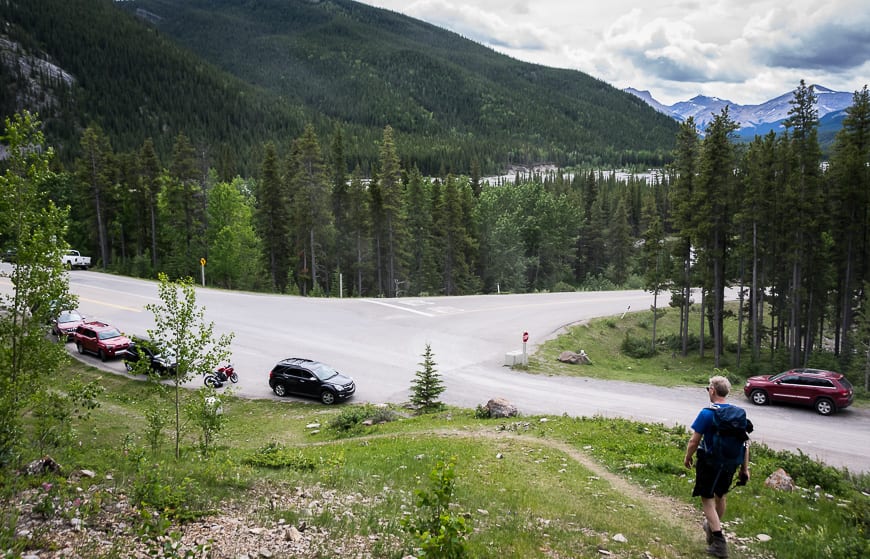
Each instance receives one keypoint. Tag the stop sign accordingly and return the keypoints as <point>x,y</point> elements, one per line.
<point>525,337</point>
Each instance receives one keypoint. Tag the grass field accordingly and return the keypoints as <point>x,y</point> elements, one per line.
<point>541,486</point>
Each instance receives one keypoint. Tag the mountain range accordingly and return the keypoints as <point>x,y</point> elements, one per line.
<point>756,119</point>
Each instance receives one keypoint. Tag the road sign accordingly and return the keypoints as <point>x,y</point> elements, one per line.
<point>525,337</point>
<point>202,261</point>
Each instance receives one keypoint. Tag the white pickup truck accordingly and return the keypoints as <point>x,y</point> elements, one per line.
<point>74,259</point>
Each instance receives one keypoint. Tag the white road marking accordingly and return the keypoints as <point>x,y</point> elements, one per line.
<point>398,307</point>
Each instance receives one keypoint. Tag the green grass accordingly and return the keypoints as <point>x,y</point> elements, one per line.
<point>549,487</point>
<point>603,338</point>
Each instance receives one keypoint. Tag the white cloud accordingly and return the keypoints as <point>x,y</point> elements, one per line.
<point>745,50</point>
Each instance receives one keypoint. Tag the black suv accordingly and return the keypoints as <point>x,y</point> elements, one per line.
<point>158,361</point>
<point>304,377</point>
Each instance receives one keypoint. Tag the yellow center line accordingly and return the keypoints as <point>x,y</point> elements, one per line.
<point>113,305</point>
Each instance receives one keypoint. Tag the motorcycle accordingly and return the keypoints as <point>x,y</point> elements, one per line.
<point>219,377</point>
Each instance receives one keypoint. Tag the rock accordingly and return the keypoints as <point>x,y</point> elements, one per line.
<point>313,426</point>
<point>780,481</point>
<point>292,534</point>
<point>42,466</point>
<point>574,358</point>
<point>88,473</point>
<point>265,554</point>
<point>619,538</point>
<point>763,538</point>
<point>499,408</point>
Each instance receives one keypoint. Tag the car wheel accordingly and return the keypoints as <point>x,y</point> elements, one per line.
<point>759,397</point>
<point>128,366</point>
<point>824,406</point>
<point>327,397</point>
<point>101,354</point>
<point>79,348</point>
<point>279,389</point>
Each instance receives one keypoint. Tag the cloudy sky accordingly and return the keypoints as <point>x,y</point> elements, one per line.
<point>746,51</point>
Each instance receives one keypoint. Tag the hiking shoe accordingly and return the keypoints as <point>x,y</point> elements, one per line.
<point>708,532</point>
<point>718,548</point>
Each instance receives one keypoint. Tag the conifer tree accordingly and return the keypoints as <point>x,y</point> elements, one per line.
<point>394,225</point>
<point>95,170</point>
<point>619,243</point>
<point>654,261</point>
<point>311,209</point>
<point>850,209</point>
<point>149,170</point>
<point>803,213</point>
<point>273,220</point>
<point>183,212</point>
<point>682,198</point>
<point>712,227</point>
<point>427,384</point>
<point>359,229</point>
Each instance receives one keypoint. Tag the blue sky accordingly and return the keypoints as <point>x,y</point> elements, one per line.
<point>746,51</point>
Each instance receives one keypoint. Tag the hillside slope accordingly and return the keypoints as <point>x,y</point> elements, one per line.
<point>242,72</point>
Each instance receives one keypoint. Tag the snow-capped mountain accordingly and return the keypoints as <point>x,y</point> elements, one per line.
<point>753,119</point>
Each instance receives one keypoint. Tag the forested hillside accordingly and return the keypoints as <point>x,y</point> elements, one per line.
<point>242,73</point>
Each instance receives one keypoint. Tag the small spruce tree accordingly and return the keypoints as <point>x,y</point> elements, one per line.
<point>427,385</point>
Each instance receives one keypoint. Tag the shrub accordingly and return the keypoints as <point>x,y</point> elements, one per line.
<point>437,529</point>
<point>563,287</point>
<point>276,455</point>
<point>638,348</point>
<point>352,417</point>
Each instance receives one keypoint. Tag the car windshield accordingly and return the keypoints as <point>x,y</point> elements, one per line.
<point>324,372</point>
<point>777,376</point>
<point>69,316</point>
<point>108,334</point>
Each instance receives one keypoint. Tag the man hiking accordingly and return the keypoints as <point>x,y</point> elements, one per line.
<point>719,435</point>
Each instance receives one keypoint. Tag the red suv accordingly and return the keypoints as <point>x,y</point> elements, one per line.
<point>826,391</point>
<point>100,339</point>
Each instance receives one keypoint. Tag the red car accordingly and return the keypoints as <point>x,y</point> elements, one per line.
<point>101,339</point>
<point>826,391</point>
<point>65,323</point>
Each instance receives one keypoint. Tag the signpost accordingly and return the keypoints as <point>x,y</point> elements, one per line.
<point>525,355</point>
<point>202,268</point>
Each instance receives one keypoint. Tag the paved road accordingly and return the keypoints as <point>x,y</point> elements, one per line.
<point>380,341</point>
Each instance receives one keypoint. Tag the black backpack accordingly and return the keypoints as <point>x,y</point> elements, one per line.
<point>726,445</point>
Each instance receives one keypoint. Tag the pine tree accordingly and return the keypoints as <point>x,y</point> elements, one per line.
<point>273,219</point>
<point>714,209</point>
<point>395,225</point>
<point>427,385</point>
<point>311,209</point>
<point>95,171</point>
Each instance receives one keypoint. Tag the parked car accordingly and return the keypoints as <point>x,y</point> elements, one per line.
<point>101,339</point>
<point>161,362</point>
<point>304,377</point>
<point>826,391</point>
<point>64,324</point>
<point>10,255</point>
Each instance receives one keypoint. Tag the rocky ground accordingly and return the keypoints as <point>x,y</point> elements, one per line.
<point>100,523</point>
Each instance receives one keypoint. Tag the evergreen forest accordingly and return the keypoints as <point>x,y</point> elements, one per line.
<point>183,160</point>
<point>232,75</point>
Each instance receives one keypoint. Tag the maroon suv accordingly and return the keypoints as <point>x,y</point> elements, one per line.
<point>826,391</point>
<point>102,340</point>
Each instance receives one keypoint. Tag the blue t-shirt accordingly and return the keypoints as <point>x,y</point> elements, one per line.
<point>704,424</point>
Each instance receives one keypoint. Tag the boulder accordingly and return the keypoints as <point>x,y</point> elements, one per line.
<point>499,407</point>
<point>574,358</point>
<point>780,481</point>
